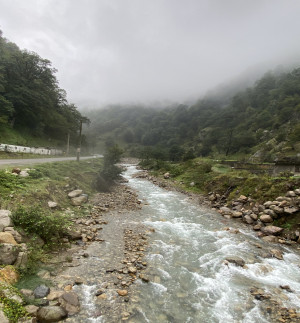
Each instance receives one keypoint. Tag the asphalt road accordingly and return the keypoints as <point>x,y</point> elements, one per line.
<point>34,161</point>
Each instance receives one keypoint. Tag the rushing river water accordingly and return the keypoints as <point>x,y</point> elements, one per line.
<point>190,281</point>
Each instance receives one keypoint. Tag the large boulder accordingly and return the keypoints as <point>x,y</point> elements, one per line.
<point>75,193</point>
<point>6,237</point>
<point>272,230</point>
<point>5,219</point>
<point>9,275</point>
<point>17,236</point>
<point>79,200</point>
<point>51,314</point>
<point>70,302</point>
<point>8,253</point>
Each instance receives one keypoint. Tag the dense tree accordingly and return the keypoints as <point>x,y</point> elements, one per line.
<point>30,97</point>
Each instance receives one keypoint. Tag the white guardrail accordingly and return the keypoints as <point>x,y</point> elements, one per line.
<point>30,150</point>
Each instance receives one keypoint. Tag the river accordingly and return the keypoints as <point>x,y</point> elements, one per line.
<point>190,279</point>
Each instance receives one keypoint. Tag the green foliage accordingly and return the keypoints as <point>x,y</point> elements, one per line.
<point>227,124</point>
<point>11,308</point>
<point>30,98</point>
<point>35,220</point>
<point>109,172</point>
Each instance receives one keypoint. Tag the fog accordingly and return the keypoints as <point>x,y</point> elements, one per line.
<point>121,51</point>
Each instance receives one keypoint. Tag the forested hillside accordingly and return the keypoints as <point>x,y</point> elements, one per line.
<point>32,105</point>
<point>263,120</point>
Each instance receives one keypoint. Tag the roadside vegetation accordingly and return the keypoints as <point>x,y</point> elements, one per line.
<point>203,175</point>
<point>27,198</point>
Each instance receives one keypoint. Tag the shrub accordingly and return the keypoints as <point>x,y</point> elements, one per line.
<point>34,220</point>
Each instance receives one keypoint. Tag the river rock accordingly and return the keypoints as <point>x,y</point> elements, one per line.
<point>243,199</point>
<point>5,220</point>
<point>237,214</point>
<point>290,210</point>
<point>6,237</point>
<point>122,292</point>
<point>79,200</point>
<point>277,209</point>
<point>272,230</point>
<point>32,310</point>
<point>51,314</point>
<point>132,270</point>
<point>270,239</point>
<point>8,253</point>
<point>41,291</point>
<point>266,218</point>
<point>290,194</point>
<point>70,302</point>
<point>166,175</point>
<point>75,193</point>
<point>257,227</point>
<point>248,219</point>
<point>276,253</point>
<point>236,260</point>
<point>53,295</point>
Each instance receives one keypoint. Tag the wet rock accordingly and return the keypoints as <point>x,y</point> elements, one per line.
<point>272,230</point>
<point>270,239</point>
<point>41,291</point>
<point>8,254</point>
<point>144,278</point>
<point>276,253</point>
<point>51,314</point>
<point>286,287</point>
<point>236,260</point>
<point>122,292</point>
<point>70,302</point>
<point>132,270</point>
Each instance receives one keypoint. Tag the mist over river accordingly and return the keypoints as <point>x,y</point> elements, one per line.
<point>191,279</point>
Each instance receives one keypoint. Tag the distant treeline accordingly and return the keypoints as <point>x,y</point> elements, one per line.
<point>30,97</point>
<point>262,117</point>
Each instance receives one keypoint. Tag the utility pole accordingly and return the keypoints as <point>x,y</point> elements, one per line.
<point>68,144</point>
<point>79,141</point>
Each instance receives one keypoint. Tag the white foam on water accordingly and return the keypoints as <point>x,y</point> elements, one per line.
<point>159,288</point>
<point>254,315</point>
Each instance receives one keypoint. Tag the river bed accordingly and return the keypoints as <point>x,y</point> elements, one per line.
<point>191,279</point>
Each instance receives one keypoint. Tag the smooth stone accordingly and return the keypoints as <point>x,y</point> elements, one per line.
<point>51,314</point>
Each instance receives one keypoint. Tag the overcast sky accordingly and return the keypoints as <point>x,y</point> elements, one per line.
<point>115,51</point>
